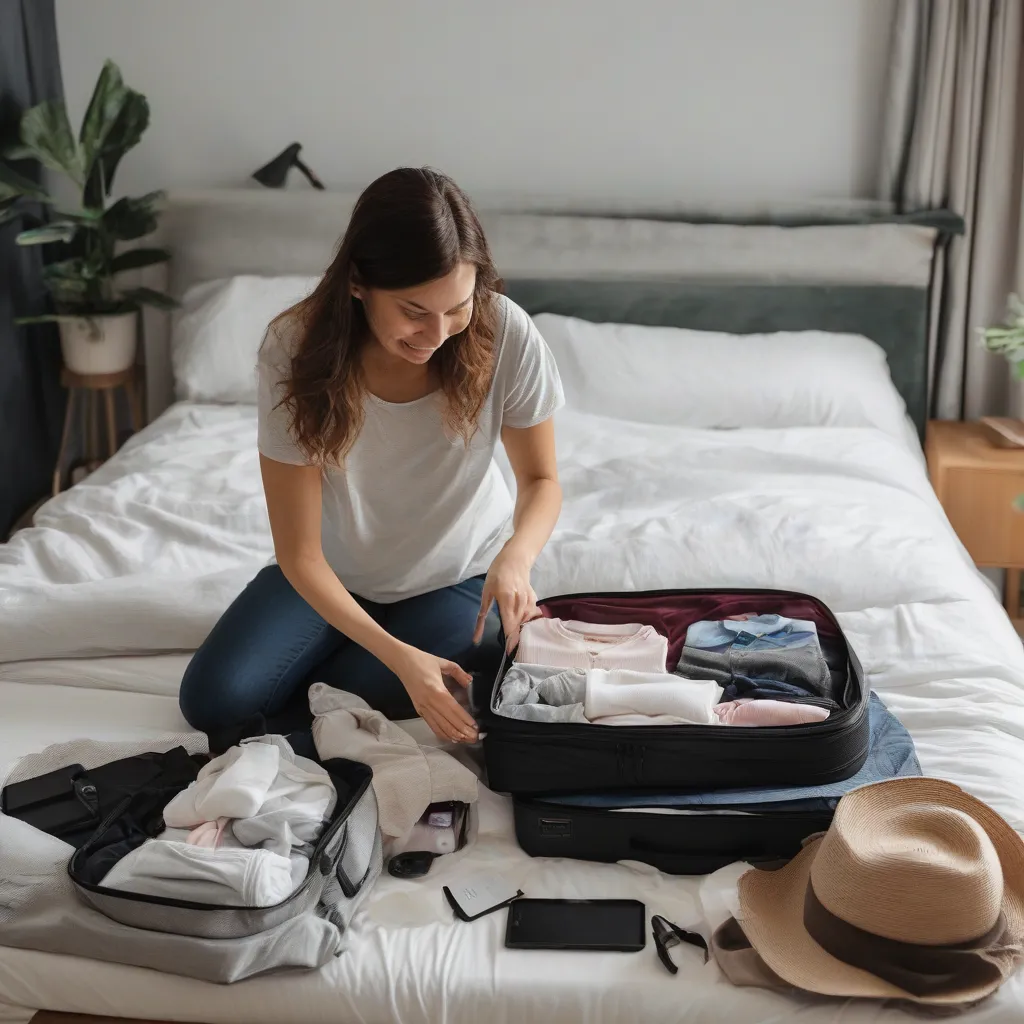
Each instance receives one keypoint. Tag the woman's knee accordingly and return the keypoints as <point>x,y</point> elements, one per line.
<point>260,649</point>
<point>206,695</point>
<point>441,622</point>
<point>223,686</point>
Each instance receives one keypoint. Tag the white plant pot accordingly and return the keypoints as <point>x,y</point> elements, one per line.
<point>99,344</point>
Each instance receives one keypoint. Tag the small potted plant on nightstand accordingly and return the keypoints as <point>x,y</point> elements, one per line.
<point>1007,340</point>
<point>97,318</point>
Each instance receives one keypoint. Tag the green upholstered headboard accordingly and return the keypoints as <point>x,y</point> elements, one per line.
<point>854,271</point>
<point>896,317</point>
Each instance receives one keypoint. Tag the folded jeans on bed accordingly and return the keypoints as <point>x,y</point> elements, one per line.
<point>891,753</point>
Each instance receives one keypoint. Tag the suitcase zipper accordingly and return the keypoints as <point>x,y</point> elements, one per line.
<point>677,592</point>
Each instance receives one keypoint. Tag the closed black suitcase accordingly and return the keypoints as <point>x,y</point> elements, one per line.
<point>525,757</point>
<point>678,844</point>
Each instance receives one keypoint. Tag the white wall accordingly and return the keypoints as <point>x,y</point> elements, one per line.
<point>693,102</point>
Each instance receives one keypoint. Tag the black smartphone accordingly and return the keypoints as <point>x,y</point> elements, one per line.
<point>615,925</point>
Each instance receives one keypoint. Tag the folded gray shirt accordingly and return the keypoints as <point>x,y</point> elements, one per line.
<point>539,693</point>
<point>742,654</point>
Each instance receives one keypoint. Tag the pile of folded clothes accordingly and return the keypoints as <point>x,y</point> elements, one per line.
<point>758,670</point>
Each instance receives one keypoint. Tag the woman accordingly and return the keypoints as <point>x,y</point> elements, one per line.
<point>381,399</point>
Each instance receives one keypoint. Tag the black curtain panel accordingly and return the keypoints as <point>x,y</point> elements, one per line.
<point>31,399</point>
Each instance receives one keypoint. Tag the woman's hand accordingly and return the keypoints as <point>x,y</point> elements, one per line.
<point>422,675</point>
<point>508,583</point>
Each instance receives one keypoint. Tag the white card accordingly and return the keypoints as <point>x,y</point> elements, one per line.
<point>476,894</point>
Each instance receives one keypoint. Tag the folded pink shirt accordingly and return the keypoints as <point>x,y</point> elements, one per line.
<point>748,711</point>
<point>566,643</point>
<point>207,834</point>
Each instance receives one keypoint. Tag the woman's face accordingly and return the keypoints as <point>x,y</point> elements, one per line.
<point>413,323</point>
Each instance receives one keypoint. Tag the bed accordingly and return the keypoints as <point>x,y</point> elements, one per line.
<point>121,577</point>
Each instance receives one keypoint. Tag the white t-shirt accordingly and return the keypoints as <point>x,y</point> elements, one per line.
<point>412,510</point>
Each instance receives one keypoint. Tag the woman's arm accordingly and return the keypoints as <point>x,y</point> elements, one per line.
<point>294,503</point>
<point>531,453</point>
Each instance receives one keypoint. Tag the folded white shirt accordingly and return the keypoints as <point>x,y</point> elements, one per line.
<point>275,798</point>
<point>226,876</point>
<point>611,693</point>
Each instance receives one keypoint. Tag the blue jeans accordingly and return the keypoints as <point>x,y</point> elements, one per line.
<point>891,754</point>
<point>270,645</point>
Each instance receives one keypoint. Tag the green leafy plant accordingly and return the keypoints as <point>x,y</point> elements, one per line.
<point>82,280</point>
<point>1008,340</point>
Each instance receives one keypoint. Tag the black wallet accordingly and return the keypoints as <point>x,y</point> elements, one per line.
<point>58,803</point>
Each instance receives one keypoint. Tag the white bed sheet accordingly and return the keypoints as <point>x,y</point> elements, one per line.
<point>124,574</point>
<point>410,961</point>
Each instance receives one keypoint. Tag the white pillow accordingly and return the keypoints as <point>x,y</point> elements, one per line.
<point>674,376</point>
<point>218,330</point>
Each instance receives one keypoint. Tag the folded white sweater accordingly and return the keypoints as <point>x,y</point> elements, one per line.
<point>231,876</point>
<point>275,798</point>
<point>611,693</point>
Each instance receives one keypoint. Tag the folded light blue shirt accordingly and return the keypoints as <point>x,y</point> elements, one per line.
<point>755,633</point>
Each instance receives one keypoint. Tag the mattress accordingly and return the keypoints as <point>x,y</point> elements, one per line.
<point>102,601</point>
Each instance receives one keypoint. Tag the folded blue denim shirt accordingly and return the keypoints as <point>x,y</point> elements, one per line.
<point>757,649</point>
<point>891,754</point>
<point>754,633</point>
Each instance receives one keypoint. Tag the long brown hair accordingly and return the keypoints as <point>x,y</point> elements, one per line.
<point>410,226</point>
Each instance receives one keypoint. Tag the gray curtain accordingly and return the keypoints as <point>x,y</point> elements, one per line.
<point>954,137</point>
<point>31,399</point>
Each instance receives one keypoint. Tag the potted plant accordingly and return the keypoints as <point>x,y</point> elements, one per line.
<point>1008,340</point>
<point>97,319</point>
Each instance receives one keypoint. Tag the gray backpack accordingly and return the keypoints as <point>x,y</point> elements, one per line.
<point>46,905</point>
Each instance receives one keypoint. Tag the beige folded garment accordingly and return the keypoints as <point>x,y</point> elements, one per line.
<point>407,777</point>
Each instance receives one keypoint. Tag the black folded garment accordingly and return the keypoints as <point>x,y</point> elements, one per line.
<point>60,803</point>
<point>71,802</point>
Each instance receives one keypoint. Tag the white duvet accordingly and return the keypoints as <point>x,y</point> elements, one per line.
<point>131,568</point>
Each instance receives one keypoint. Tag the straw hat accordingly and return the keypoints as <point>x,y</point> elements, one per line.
<point>915,892</point>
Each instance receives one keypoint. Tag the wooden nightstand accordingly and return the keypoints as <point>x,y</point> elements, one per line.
<point>978,483</point>
<point>90,388</point>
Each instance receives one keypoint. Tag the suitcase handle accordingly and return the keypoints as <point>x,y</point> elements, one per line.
<point>664,850</point>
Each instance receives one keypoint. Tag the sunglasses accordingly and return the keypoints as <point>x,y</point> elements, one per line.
<point>668,935</point>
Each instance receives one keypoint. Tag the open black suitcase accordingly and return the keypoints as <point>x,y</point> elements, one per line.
<point>539,762</point>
